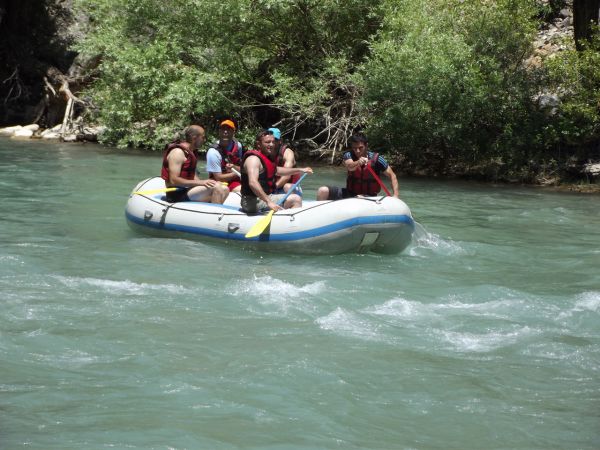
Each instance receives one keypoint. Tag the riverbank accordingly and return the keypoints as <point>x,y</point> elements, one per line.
<point>78,133</point>
<point>443,104</point>
<point>589,185</point>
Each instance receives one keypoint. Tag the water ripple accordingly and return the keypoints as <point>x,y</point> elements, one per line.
<point>123,287</point>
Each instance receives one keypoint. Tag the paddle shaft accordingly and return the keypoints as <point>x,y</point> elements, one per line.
<point>232,169</point>
<point>385,189</point>
<point>157,191</point>
<point>291,190</point>
<point>264,222</point>
<point>169,189</point>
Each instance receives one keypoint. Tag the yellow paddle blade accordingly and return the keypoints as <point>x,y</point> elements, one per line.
<point>260,226</point>
<point>155,191</point>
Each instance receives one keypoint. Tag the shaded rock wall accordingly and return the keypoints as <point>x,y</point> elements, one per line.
<point>35,36</point>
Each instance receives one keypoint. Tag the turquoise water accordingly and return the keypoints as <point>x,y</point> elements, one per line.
<point>484,334</point>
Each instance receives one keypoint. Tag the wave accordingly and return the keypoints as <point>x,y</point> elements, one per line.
<point>484,342</point>
<point>460,323</point>
<point>123,287</point>
<point>586,302</point>
<point>261,286</point>
<point>10,259</point>
<point>347,323</point>
<point>284,296</point>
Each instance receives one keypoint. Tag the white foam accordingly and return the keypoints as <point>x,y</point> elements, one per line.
<point>11,259</point>
<point>125,286</point>
<point>403,308</point>
<point>588,301</point>
<point>347,323</point>
<point>265,286</point>
<point>282,295</point>
<point>33,245</point>
<point>472,342</point>
<point>399,308</point>
<point>72,358</point>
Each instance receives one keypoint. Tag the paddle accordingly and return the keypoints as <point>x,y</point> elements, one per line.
<point>263,223</point>
<point>170,189</point>
<point>156,191</point>
<point>378,180</point>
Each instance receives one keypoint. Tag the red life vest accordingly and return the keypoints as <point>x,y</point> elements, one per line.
<point>188,169</point>
<point>233,156</point>
<point>266,178</point>
<point>360,181</point>
<point>281,162</point>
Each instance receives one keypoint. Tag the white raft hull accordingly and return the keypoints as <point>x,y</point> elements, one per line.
<point>378,224</point>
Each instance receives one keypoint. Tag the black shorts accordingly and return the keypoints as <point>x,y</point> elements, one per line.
<point>338,193</point>
<point>180,195</point>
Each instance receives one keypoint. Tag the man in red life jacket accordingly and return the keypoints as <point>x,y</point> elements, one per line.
<point>285,158</point>
<point>179,170</point>
<point>360,180</point>
<point>259,171</point>
<point>225,155</point>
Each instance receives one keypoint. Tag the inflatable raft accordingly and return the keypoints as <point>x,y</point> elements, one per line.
<point>362,224</point>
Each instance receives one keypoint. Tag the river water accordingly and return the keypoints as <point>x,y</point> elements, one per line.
<point>484,334</point>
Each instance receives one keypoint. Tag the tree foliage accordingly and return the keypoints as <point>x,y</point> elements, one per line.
<point>257,60</point>
<point>441,84</point>
<point>445,81</point>
<point>576,76</point>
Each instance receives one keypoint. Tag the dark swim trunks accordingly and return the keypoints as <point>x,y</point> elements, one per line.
<point>180,195</point>
<point>338,193</point>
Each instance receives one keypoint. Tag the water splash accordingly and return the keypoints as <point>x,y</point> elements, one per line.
<point>278,297</point>
<point>424,240</point>
<point>344,322</point>
<point>265,286</point>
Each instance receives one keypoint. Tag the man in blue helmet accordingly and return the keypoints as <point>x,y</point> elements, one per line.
<point>285,158</point>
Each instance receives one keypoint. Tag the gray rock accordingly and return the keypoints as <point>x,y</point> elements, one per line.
<point>592,169</point>
<point>549,103</point>
<point>50,134</point>
<point>9,131</point>
<point>22,133</point>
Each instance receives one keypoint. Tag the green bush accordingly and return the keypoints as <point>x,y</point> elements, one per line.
<point>575,77</point>
<point>260,61</point>
<point>446,82</point>
<point>439,84</point>
<point>157,72</point>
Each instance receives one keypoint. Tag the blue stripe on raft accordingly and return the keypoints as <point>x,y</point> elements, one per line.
<point>293,236</point>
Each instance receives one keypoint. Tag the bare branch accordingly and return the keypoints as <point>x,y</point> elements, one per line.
<point>49,86</point>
